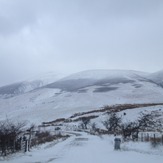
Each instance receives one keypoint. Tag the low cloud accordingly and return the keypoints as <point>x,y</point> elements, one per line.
<point>69,36</point>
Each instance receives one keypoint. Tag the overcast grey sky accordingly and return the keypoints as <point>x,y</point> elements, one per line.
<point>37,36</point>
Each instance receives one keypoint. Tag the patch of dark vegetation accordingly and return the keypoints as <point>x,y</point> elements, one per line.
<point>137,85</point>
<point>55,121</point>
<point>46,136</point>
<point>72,85</point>
<point>105,89</point>
<point>84,118</point>
<point>116,108</point>
<point>82,91</point>
<point>113,81</point>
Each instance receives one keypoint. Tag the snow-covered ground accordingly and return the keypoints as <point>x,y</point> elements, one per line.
<point>84,148</point>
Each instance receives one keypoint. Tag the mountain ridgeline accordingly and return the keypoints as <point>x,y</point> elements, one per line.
<point>104,80</point>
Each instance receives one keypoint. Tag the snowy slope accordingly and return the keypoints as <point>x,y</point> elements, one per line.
<point>98,78</point>
<point>28,85</point>
<point>80,92</point>
<point>157,77</point>
<point>100,74</point>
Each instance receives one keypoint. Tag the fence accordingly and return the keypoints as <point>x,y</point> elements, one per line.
<point>153,137</point>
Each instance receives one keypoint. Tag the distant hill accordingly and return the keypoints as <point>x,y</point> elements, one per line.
<point>157,77</point>
<point>28,85</point>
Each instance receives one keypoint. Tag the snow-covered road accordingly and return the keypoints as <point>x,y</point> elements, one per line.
<point>84,148</point>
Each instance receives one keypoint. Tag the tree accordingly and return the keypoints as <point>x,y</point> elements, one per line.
<point>93,127</point>
<point>85,122</point>
<point>113,123</point>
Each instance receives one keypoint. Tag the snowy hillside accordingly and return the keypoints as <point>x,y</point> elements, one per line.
<point>83,91</point>
<point>100,74</point>
<point>28,85</point>
<point>102,78</point>
<point>157,77</point>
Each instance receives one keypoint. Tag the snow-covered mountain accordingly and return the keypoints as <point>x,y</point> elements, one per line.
<point>28,85</point>
<point>157,77</point>
<point>80,92</point>
<point>102,79</point>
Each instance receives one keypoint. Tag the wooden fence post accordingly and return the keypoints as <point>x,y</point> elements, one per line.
<point>154,137</point>
<point>21,143</point>
<point>147,137</point>
<point>26,145</point>
<point>142,137</point>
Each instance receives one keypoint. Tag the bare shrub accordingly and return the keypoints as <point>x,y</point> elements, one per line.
<point>9,136</point>
<point>44,137</point>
